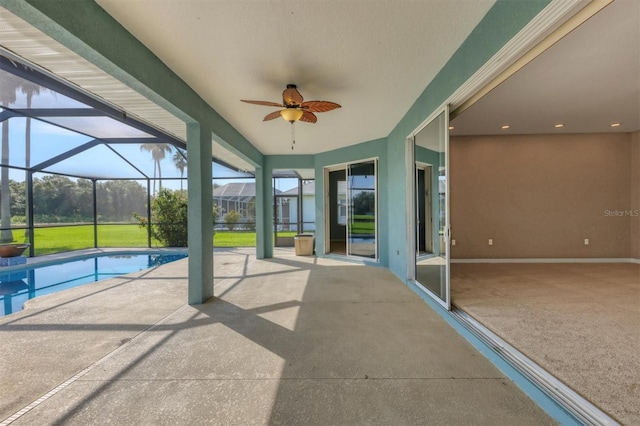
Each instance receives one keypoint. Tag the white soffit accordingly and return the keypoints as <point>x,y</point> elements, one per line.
<point>27,42</point>
<point>373,57</point>
<point>226,156</point>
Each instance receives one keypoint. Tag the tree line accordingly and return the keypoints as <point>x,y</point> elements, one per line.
<point>59,199</point>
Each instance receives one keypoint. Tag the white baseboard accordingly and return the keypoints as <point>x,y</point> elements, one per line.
<point>551,260</point>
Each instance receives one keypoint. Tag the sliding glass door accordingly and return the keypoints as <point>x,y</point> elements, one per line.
<point>361,232</point>
<point>351,209</point>
<point>432,262</point>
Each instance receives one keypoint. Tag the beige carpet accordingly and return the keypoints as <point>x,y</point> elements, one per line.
<point>581,322</point>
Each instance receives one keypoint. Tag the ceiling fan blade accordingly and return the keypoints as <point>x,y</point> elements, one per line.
<point>291,96</point>
<point>272,115</point>
<point>265,103</point>
<point>319,106</point>
<point>308,117</point>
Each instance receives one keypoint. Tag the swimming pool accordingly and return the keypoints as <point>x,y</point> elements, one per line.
<point>19,285</point>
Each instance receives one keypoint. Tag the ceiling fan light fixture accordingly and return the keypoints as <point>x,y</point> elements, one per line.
<point>291,114</point>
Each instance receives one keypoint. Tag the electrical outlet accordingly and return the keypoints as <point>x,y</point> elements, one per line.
<point>453,242</point>
<point>586,241</point>
<point>490,241</point>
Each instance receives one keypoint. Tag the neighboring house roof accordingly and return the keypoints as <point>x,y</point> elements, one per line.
<point>308,188</point>
<point>236,191</point>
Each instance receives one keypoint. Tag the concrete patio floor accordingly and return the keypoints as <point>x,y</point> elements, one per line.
<point>288,340</point>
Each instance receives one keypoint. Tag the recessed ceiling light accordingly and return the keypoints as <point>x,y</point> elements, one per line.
<point>615,124</point>
<point>557,126</point>
<point>506,126</point>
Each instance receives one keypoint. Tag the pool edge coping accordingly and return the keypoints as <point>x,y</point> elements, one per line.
<point>49,259</point>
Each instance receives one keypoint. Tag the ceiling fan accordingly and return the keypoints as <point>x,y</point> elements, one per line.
<point>294,108</point>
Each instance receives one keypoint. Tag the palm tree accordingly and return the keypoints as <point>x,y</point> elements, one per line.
<point>158,152</point>
<point>8,88</point>
<point>180,161</point>
<point>30,89</point>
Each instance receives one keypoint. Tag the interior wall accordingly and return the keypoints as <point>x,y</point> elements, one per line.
<point>541,196</point>
<point>635,196</point>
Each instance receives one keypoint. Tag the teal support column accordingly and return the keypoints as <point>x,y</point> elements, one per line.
<point>264,213</point>
<point>200,192</point>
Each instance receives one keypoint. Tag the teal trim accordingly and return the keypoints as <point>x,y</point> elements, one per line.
<point>531,390</point>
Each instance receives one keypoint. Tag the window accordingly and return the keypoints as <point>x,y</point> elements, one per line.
<point>342,202</point>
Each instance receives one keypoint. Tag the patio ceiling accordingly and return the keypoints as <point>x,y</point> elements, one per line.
<point>586,81</point>
<point>373,57</point>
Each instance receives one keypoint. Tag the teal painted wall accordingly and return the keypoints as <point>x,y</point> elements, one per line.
<point>501,23</point>
<point>362,151</point>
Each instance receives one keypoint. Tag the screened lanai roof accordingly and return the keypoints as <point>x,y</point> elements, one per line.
<point>54,128</point>
<point>241,191</point>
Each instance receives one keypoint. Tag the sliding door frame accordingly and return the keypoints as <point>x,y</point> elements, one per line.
<point>327,207</point>
<point>411,207</point>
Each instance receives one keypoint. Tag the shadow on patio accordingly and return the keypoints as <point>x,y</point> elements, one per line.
<point>295,340</point>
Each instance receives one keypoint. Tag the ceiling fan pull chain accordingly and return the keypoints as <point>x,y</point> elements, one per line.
<point>293,135</point>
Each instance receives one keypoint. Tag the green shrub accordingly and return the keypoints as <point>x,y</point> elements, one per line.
<point>168,218</point>
<point>231,219</point>
<point>18,220</point>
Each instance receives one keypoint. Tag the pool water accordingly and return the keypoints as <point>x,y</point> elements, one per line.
<point>18,286</point>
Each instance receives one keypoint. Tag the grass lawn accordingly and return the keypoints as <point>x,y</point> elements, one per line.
<point>234,239</point>
<point>363,224</point>
<point>68,238</point>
